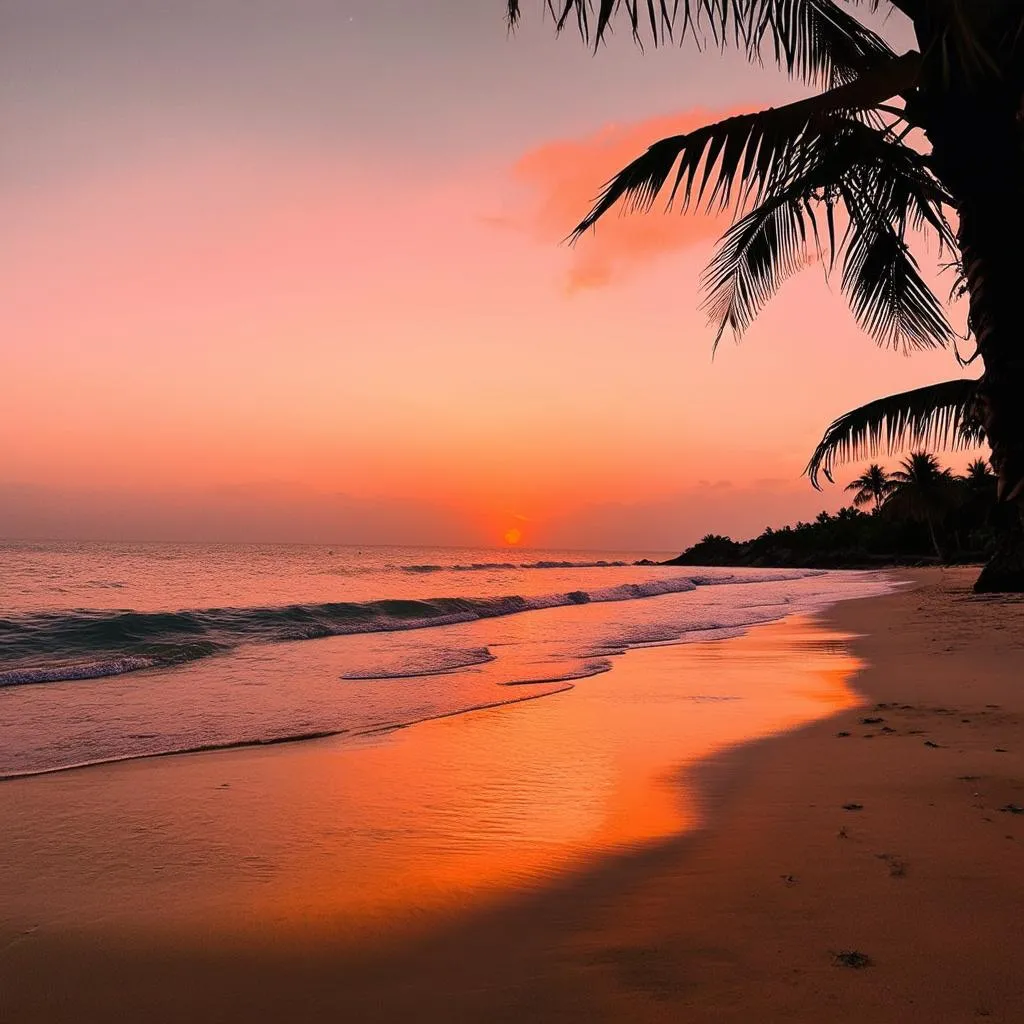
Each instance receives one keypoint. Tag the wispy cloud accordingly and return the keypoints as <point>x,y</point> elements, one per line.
<point>563,178</point>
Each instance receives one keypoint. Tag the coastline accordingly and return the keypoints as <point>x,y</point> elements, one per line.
<point>737,921</point>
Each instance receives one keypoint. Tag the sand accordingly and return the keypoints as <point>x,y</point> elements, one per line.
<point>754,917</point>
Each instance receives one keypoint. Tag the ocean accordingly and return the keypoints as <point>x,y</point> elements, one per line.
<point>110,652</point>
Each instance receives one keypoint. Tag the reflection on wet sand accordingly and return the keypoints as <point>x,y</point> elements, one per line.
<point>384,835</point>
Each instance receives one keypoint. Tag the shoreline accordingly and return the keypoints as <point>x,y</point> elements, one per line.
<point>57,752</point>
<point>739,920</point>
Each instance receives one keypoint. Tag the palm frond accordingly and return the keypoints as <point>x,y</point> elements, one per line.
<point>816,40</point>
<point>883,283</point>
<point>750,149</point>
<point>756,255</point>
<point>935,416</point>
<point>891,182</point>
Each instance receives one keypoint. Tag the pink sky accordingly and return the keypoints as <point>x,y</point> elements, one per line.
<point>268,288</point>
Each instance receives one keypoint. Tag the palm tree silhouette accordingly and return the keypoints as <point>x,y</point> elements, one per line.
<point>978,488</point>
<point>872,487</point>
<point>886,146</point>
<point>922,490</point>
<point>979,477</point>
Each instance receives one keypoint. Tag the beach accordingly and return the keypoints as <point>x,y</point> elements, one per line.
<point>859,862</point>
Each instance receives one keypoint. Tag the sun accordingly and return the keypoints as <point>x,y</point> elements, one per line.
<point>513,536</point>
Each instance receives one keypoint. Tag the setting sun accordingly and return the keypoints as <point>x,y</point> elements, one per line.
<point>513,536</point>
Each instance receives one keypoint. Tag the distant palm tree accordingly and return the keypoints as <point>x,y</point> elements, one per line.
<point>923,491</point>
<point>978,510</point>
<point>979,476</point>
<point>872,487</point>
<point>885,147</point>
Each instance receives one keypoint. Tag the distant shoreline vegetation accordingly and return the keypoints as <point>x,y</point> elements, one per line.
<point>920,513</point>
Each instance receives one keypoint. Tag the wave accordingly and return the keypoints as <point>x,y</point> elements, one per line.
<point>439,661</point>
<point>62,646</point>
<point>283,738</point>
<point>88,670</point>
<point>484,566</point>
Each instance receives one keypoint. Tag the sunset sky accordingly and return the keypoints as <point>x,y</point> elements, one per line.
<point>291,270</point>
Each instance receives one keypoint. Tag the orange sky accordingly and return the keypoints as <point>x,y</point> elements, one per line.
<point>229,313</point>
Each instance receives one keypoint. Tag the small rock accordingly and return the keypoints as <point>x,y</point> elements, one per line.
<point>928,743</point>
<point>853,807</point>
<point>842,734</point>
<point>871,721</point>
<point>1012,809</point>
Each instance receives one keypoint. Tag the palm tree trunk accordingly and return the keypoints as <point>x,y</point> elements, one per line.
<point>934,537</point>
<point>978,151</point>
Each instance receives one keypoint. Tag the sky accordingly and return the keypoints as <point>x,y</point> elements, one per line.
<point>293,270</point>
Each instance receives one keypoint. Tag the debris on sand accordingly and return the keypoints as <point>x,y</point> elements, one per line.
<point>851,958</point>
<point>853,807</point>
<point>897,865</point>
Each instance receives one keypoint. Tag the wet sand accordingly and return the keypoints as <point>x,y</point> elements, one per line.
<point>736,902</point>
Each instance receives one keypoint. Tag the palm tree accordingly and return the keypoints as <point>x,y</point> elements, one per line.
<point>871,487</point>
<point>885,148</point>
<point>978,488</point>
<point>923,491</point>
<point>979,477</point>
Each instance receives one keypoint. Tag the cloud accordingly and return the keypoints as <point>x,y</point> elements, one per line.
<point>563,177</point>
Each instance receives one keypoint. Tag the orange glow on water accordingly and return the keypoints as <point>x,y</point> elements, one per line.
<point>368,836</point>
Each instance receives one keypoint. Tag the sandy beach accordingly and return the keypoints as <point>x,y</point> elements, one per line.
<point>865,867</point>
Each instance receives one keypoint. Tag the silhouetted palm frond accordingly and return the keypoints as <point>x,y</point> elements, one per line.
<point>890,189</point>
<point>883,283</point>
<point>786,165</point>
<point>816,40</point>
<point>753,151</point>
<point>935,416</point>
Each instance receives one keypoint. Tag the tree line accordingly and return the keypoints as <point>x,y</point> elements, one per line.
<point>918,512</point>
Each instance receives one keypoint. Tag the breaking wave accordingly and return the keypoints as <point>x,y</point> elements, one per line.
<point>60,646</point>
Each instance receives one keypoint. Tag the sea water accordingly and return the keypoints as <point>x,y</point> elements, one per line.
<point>116,651</point>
